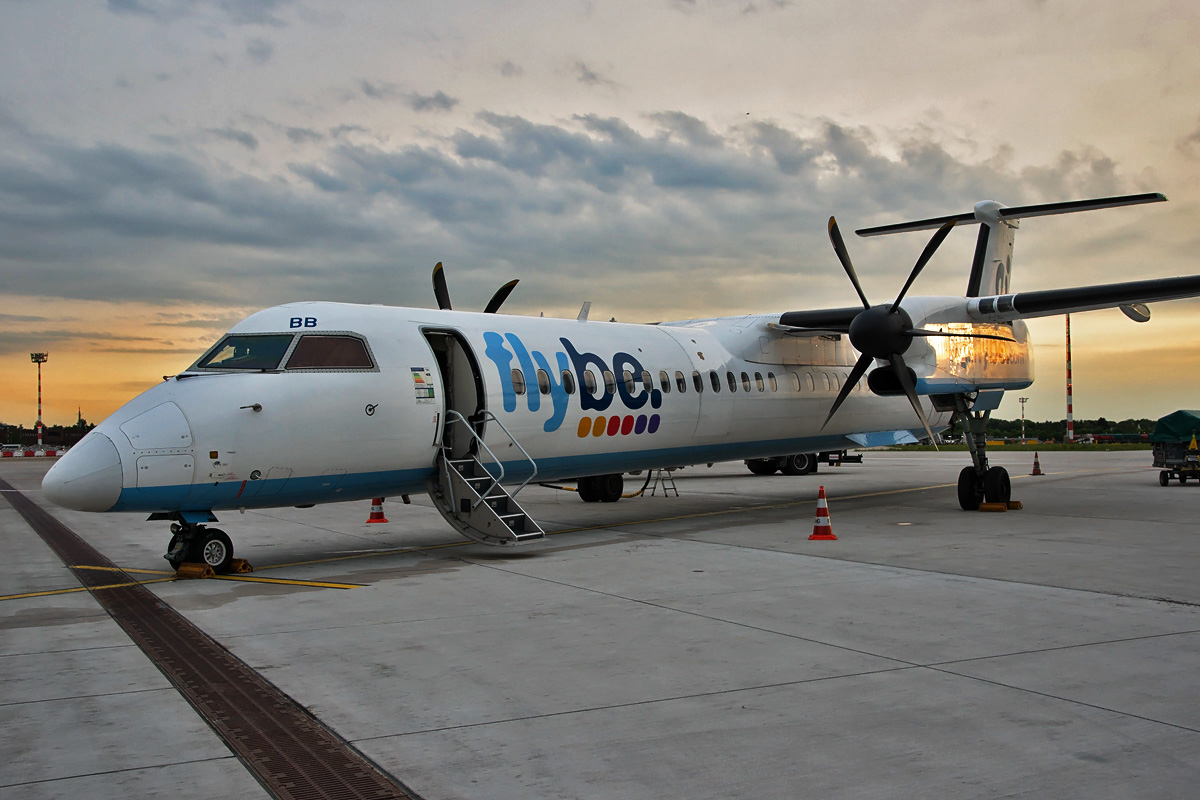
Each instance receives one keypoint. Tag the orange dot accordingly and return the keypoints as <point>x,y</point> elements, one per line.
<point>598,427</point>
<point>585,427</point>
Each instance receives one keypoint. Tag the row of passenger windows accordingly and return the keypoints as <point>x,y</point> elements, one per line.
<point>826,380</point>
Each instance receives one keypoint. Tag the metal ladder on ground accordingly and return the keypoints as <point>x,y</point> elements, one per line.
<point>664,478</point>
<point>470,496</point>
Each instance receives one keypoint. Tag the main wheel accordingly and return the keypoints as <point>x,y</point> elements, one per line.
<point>1182,479</point>
<point>611,487</point>
<point>970,489</point>
<point>589,490</point>
<point>763,466</point>
<point>214,549</point>
<point>800,464</point>
<point>1164,478</point>
<point>996,486</point>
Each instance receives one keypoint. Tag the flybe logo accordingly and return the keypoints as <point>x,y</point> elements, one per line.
<point>508,352</point>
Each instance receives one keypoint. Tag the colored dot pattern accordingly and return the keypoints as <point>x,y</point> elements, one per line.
<point>618,425</point>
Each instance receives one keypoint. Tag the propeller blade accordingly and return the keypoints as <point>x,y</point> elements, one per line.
<point>856,374</point>
<point>901,370</point>
<point>839,247</point>
<point>500,296</point>
<point>926,254</point>
<point>439,288</point>
<point>921,332</point>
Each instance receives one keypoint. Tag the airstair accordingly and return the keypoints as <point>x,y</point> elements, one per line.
<point>469,494</point>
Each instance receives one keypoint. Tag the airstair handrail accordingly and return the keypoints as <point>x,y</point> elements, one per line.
<point>453,416</point>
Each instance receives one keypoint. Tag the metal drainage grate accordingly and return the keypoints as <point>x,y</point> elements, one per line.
<point>288,750</point>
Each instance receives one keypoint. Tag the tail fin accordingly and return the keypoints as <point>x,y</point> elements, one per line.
<point>992,265</point>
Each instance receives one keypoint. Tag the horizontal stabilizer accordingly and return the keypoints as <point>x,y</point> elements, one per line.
<point>1018,212</point>
<point>1086,298</point>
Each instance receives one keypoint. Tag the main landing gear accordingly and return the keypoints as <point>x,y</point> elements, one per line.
<point>195,543</point>
<point>978,483</point>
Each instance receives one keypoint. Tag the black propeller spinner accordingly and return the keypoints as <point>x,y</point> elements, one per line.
<point>886,331</point>
<point>442,293</point>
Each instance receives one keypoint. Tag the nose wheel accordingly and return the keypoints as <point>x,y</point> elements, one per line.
<point>199,544</point>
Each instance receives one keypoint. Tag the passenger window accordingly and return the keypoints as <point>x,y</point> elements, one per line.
<point>543,381</point>
<point>610,382</point>
<point>664,382</point>
<point>771,380</point>
<point>681,382</point>
<point>795,382</point>
<point>589,382</point>
<point>698,382</point>
<point>627,376</point>
<point>731,379</point>
<point>518,381</point>
<point>714,380</point>
<point>648,381</point>
<point>812,386</point>
<point>746,382</point>
<point>825,377</point>
<point>568,381</point>
<point>247,352</point>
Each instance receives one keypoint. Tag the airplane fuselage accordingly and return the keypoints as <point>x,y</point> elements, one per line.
<point>361,408</point>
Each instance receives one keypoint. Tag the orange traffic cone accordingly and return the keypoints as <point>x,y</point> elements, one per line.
<point>822,530</point>
<point>377,511</point>
<point>1037,465</point>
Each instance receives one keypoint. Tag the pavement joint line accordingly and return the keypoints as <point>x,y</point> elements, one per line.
<point>1056,648</point>
<point>146,768</point>
<point>166,687</point>
<point>636,703</point>
<point>1068,700</point>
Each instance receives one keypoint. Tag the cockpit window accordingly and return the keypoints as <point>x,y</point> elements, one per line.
<point>246,351</point>
<point>330,352</point>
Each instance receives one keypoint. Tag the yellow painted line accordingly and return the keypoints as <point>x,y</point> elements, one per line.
<point>124,569</point>
<point>52,592</point>
<point>287,582</point>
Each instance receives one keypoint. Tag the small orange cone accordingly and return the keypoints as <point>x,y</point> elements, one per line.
<point>1037,465</point>
<point>377,511</point>
<point>822,530</point>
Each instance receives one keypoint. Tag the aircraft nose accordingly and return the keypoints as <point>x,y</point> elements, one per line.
<point>87,477</point>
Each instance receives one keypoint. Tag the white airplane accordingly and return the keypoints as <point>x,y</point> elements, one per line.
<point>323,402</point>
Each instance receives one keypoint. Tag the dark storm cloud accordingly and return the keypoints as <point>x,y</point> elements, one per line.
<point>23,342</point>
<point>438,101</point>
<point>303,135</point>
<point>244,138</point>
<point>588,202</point>
<point>259,50</point>
<point>586,75</point>
<point>239,12</point>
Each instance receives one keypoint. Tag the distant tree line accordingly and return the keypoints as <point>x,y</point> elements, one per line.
<point>52,435</point>
<point>1056,431</point>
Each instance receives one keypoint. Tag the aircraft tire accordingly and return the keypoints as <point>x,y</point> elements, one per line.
<point>996,486</point>
<point>1182,479</point>
<point>763,466</point>
<point>800,464</point>
<point>214,548</point>
<point>611,487</point>
<point>589,490</point>
<point>970,489</point>
<point>1164,478</point>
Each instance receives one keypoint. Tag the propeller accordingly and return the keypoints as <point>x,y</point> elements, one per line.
<point>885,332</point>
<point>442,292</point>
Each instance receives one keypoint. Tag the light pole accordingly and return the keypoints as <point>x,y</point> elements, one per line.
<point>39,359</point>
<point>1022,401</point>
<point>1070,408</point>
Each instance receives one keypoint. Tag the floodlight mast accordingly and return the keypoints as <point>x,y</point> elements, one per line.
<point>39,359</point>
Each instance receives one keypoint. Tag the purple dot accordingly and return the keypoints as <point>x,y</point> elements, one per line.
<point>639,427</point>
<point>653,426</point>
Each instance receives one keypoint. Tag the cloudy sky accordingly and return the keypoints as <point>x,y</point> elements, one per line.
<point>169,166</point>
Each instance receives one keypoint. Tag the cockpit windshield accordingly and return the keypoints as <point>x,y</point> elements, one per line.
<point>247,351</point>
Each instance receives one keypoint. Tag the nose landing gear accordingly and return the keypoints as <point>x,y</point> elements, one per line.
<point>195,543</point>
